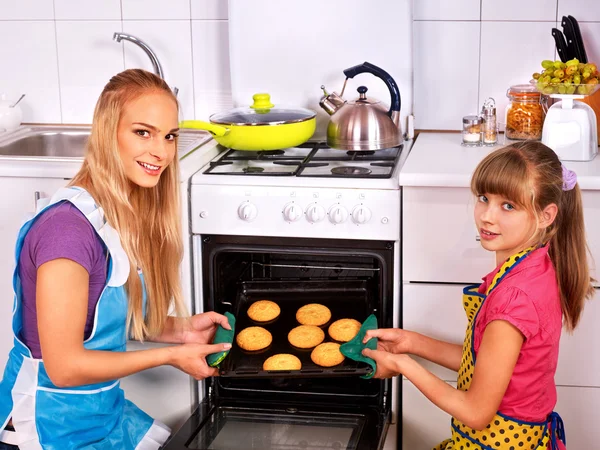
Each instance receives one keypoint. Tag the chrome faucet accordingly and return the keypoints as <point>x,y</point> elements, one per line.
<point>118,37</point>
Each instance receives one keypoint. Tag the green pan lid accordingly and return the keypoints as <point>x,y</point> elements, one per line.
<point>262,112</point>
<point>353,349</point>
<point>222,336</point>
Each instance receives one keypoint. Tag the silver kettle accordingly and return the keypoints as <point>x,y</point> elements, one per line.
<point>363,124</point>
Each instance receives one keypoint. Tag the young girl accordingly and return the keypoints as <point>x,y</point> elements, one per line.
<point>98,263</point>
<point>529,212</point>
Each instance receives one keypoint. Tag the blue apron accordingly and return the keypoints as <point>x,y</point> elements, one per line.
<point>95,416</point>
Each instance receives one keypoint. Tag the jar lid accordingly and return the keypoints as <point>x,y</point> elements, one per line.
<point>523,91</point>
<point>472,120</point>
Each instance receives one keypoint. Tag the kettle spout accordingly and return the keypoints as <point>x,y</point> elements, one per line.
<point>331,103</point>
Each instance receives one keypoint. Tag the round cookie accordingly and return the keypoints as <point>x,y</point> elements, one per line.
<point>313,314</point>
<point>282,361</point>
<point>264,311</point>
<point>327,354</point>
<point>306,336</point>
<point>254,338</point>
<point>343,330</point>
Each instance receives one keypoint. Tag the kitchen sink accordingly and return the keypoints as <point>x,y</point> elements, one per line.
<point>68,142</point>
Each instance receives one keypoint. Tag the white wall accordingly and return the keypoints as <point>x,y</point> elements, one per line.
<point>469,50</point>
<point>61,53</point>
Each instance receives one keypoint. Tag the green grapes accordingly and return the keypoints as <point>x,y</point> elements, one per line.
<point>568,78</point>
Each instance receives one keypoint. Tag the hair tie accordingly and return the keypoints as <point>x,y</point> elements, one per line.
<point>569,178</point>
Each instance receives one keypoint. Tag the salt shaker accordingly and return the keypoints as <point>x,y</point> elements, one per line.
<point>490,125</point>
<point>471,132</point>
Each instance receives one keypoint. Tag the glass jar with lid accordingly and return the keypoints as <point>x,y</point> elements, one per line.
<point>525,113</point>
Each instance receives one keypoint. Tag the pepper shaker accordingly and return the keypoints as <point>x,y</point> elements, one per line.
<point>490,124</point>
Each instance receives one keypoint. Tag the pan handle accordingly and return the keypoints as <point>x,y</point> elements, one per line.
<point>215,130</point>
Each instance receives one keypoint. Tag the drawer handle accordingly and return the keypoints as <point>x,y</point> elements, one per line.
<point>477,237</point>
<point>36,197</point>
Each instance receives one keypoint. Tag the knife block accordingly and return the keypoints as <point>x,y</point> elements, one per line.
<point>594,102</point>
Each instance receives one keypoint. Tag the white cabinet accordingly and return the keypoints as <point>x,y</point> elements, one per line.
<point>424,425</point>
<point>580,410</point>
<point>18,198</point>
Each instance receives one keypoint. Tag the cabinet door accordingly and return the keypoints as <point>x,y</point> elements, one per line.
<point>579,358</point>
<point>435,310</point>
<point>439,237</point>
<point>18,201</point>
<point>424,425</point>
<point>580,410</point>
<point>591,213</point>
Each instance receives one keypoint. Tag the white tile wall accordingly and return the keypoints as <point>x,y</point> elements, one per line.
<point>502,65</point>
<point>212,82</point>
<point>447,10</point>
<point>446,79</point>
<point>87,58</point>
<point>87,9</point>
<point>29,66</point>
<point>155,9</point>
<point>26,10</point>
<point>515,37</point>
<point>171,41</point>
<point>518,10</point>
<point>209,9</point>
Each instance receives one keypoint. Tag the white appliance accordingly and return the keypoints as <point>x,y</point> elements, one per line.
<point>570,129</point>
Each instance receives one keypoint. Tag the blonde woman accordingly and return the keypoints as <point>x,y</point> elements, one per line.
<point>98,263</point>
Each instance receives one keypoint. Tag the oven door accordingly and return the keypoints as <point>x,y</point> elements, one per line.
<point>247,425</point>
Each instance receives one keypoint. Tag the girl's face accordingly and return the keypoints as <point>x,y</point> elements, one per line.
<point>146,137</point>
<point>504,227</point>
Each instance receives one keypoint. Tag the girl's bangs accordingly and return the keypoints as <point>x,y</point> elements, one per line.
<point>503,175</point>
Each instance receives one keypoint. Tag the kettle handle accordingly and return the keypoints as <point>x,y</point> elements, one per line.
<point>384,76</point>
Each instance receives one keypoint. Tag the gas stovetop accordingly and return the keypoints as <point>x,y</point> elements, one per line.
<point>314,159</point>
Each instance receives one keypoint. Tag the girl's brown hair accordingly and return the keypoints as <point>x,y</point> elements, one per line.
<point>530,174</point>
<point>147,219</point>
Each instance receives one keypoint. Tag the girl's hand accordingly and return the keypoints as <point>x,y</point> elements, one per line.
<point>190,358</point>
<point>392,340</point>
<point>202,328</point>
<point>388,364</point>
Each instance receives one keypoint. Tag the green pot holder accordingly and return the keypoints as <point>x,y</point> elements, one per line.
<point>222,336</point>
<point>353,349</point>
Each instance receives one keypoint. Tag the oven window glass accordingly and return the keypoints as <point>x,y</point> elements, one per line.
<point>235,429</point>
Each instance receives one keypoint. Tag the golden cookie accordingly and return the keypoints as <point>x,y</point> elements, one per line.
<point>313,314</point>
<point>254,338</point>
<point>306,336</point>
<point>282,361</point>
<point>264,311</point>
<point>327,354</point>
<point>344,330</point>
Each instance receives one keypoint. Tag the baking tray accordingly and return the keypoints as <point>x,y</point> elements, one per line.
<point>345,299</point>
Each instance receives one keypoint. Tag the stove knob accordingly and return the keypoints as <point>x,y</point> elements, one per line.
<point>292,212</point>
<point>315,213</point>
<point>361,214</point>
<point>247,211</point>
<point>338,214</point>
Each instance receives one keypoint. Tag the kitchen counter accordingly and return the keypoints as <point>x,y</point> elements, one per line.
<point>438,159</point>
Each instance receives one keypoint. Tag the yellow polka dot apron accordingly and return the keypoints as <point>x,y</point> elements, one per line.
<point>503,432</point>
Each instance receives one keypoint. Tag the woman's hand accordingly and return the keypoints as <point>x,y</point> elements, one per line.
<point>202,327</point>
<point>388,364</point>
<point>190,358</point>
<point>392,340</point>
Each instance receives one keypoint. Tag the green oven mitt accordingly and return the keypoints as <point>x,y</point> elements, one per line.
<point>222,336</point>
<point>353,349</point>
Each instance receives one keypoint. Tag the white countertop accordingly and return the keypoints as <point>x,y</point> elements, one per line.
<point>438,159</point>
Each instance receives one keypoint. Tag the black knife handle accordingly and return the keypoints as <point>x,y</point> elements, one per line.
<point>579,37</point>
<point>572,44</point>
<point>561,45</point>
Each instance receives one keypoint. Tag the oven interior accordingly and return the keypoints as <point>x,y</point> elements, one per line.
<point>353,278</point>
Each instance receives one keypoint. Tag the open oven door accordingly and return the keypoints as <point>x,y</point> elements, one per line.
<point>238,425</point>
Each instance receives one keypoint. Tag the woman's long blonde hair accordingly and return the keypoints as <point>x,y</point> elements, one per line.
<point>530,174</point>
<point>147,219</point>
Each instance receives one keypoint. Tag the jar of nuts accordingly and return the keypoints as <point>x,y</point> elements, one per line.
<point>525,113</point>
<point>472,130</point>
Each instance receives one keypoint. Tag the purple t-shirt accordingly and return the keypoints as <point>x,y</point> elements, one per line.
<point>60,232</point>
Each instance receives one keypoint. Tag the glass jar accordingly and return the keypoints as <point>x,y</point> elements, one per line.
<point>525,113</point>
<point>471,131</point>
<point>490,125</point>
